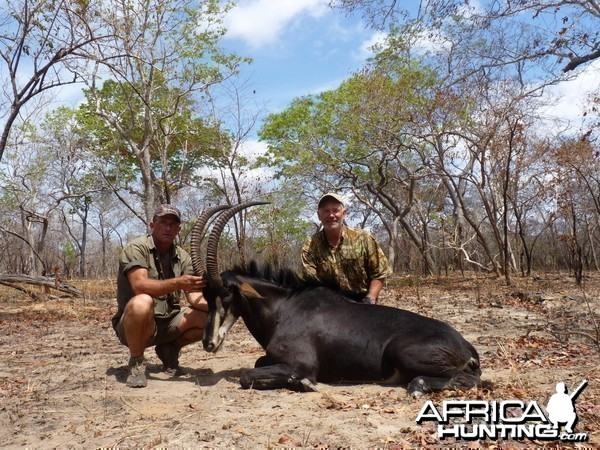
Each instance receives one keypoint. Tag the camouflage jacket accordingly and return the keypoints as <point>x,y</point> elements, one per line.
<point>356,261</point>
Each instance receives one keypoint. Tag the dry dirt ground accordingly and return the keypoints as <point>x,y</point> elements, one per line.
<point>62,375</point>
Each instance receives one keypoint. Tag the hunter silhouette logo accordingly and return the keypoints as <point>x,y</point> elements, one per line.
<point>561,408</point>
<point>507,419</point>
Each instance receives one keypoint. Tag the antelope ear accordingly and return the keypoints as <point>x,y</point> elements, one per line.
<point>249,291</point>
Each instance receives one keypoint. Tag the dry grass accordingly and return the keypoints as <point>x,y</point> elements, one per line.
<point>61,373</point>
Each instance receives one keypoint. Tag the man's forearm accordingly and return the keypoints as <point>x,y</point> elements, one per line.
<point>375,288</point>
<point>157,288</point>
<point>197,301</point>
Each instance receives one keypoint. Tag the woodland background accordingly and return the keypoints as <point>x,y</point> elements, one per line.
<point>442,150</point>
<point>488,208</point>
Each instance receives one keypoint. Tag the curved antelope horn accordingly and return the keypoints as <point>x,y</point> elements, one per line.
<point>212,265</point>
<point>197,235</point>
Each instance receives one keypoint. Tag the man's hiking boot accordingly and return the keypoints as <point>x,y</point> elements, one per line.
<point>137,373</point>
<point>168,353</point>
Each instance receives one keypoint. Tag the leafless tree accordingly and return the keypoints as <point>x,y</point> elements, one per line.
<point>565,29</point>
<point>42,44</point>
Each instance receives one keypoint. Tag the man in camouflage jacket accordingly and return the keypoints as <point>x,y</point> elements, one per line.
<point>349,255</point>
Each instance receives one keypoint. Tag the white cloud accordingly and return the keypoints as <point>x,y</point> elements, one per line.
<point>431,41</point>
<point>570,97</point>
<point>253,149</point>
<point>261,22</point>
<point>365,50</point>
<point>574,93</point>
<point>70,95</point>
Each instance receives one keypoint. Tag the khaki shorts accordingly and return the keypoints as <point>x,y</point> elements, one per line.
<point>167,330</point>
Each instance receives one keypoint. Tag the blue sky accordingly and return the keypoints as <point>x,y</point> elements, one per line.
<point>302,47</point>
<point>298,47</point>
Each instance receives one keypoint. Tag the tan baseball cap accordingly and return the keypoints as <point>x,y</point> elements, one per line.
<point>331,195</point>
<point>167,210</point>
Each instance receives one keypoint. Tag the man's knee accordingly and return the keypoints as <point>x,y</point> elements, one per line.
<point>138,316</point>
<point>193,318</point>
<point>137,323</point>
<point>190,336</point>
<point>141,304</point>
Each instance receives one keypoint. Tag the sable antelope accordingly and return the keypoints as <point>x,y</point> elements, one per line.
<point>315,333</point>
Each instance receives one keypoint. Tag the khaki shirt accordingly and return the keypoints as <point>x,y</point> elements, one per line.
<point>141,252</point>
<point>356,261</point>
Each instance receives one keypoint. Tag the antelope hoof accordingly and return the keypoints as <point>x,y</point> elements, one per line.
<point>308,385</point>
<point>416,394</point>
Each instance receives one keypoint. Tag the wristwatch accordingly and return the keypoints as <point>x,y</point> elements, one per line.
<point>369,300</point>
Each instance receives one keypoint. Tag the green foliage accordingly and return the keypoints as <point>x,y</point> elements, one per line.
<point>69,252</point>
<point>179,144</point>
<point>145,121</point>
<point>364,132</point>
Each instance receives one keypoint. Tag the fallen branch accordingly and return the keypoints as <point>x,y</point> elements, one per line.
<point>53,283</point>
<point>21,289</point>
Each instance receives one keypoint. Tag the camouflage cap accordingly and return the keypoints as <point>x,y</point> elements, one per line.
<point>166,210</point>
<point>331,195</point>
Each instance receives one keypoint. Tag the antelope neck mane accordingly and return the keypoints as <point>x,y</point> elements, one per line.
<point>289,279</point>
